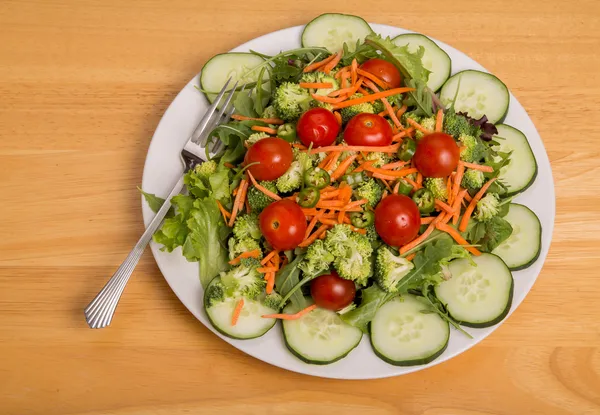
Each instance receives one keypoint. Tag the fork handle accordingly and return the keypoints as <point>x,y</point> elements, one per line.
<point>100,311</point>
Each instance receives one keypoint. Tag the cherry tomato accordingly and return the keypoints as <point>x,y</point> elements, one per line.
<point>368,130</point>
<point>384,70</point>
<point>317,126</point>
<point>274,155</point>
<point>283,224</point>
<point>332,292</point>
<point>397,219</point>
<point>436,155</point>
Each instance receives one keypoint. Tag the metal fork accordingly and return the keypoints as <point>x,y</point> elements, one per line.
<point>101,309</point>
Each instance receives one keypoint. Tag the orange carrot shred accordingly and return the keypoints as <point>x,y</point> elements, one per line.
<point>262,188</point>
<point>458,238</point>
<point>456,206</point>
<point>226,215</point>
<point>317,65</point>
<point>421,237</point>
<point>292,316</point>
<point>316,85</point>
<point>465,219</point>
<point>338,117</point>
<point>439,120</point>
<point>485,169</point>
<point>353,71</point>
<point>372,97</point>
<point>332,64</point>
<point>229,165</point>
<point>267,130</point>
<point>393,165</point>
<point>276,121</point>
<point>237,202</point>
<point>268,257</point>
<point>255,253</point>
<point>341,169</point>
<point>237,311</point>
<point>411,256</point>
<point>329,100</point>
<point>270,282</point>
<point>380,83</point>
<point>427,220</point>
<point>312,223</point>
<point>418,126</point>
<point>381,149</point>
<point>444,206</point>
<point>322,229</point>
<point>331,163</point>
<point>264,270</point>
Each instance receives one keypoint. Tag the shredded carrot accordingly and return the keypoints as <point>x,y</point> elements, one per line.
<point>358,230</point>
<point>372,97</point>
<point>412,183</point>
<point>383,113</point>
<point>325,161</point>
<point>396,187</point>
<point>465,219</point>
<point>421,237</point>
<point>331,163</point>
<point>456,206</point>
<point>444,206</point>
<point>427,220</point>
<point>399,136</point>
<point>363,91</point>
<point>460,171</point>
<point>332,64</point>
<point>393,165</point>
<point>292,316</point>
<point>264,129</point>
<point>276,261</point>
<point>381,149</point>
<point>238,202</point>
<point>309,211</point>
<point>235,191</point>
<point>268,257</point>
<point>341,74</point>
<point>317,65</point>
<point>264,270</point>
<point>329,100</point>
<point>383,177</point>
<point>363,166</point>
<point>226,215</point>
<point>418,126</point>
<point>299,146</point>
<point>401,111</point>
<point>419,179</point>
<point>270,282</point>
<point>229,165</point>
<point>276,121</point>
<point>237,311</point>
<point>328,221</point>
<point>392,173</point>
<point>322,229</point>
<point>385,192</point>
<point>380,83</point>
<point>255,253</point>
<point>247,205</point>
<point>353,71</point>
<point>316,85</point>
<point>385,182</point>
<point>468,197</point>
<point>439,120</point>
<point>341,169</point>
<point>312,223</point>
<point>411,256</point>
<point>329,203</point>
<point>338,117</point>
<point>356,203</point>
<point>485,169</point>
<point>458,238</point>
<point>330,194</point>
<point>263,189</point>
<point>341,216</point>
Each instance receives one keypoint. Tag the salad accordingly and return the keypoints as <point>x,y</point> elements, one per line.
<point>362,189</point>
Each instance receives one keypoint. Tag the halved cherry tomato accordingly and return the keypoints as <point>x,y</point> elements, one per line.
<point>274,155</point>
<point>368,130</point>
<point>332,292</point>
<point>317,126</point>
<point>283,224</point>
<point>384,70</point>
<point>397,219</point>
<point>436,155</point>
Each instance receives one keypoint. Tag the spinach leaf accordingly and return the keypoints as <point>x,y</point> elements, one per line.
<point>427,265</point>
<point>154,202</point>
<point>373,298</point>
<point>287,278</point>
<point>244,104</point>
<point>489,234</point>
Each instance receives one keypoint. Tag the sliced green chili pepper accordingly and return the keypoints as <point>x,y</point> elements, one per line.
<point>424,200</point>
<point>362,219</point>
<point>407,149</point>
<point>404,188</point>
<point>309,197</point>
<point>317,177</point>
<point>287,132</point>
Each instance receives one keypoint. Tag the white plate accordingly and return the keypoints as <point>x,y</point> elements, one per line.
<point>163,166</point>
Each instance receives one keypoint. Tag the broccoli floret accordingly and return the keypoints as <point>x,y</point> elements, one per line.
<point>256,137</point>
<point>390,269</point>
<point>457,125</point>
<point>290,101</point>
<point>246,226</point>
<point>487,207</point>
<point>472,180</point>
<point>473,148</point>
<point>394,100</point>
<point>257,199</point>
<point>412,116</point>
<point>239,246</point>
<point>244,280</point>
<point>437,186</point>
<point>321,104</point>
<point>352,252</point>
<point>317,259</point>
<point>206,169</point>
<point>313,77</point>
<point>349,112</point>
<point>269,112</point>
<point>378,158</point>
<point>272,301</point>
<point>371,190</point>
<point>427,123</point>
<point>372,234</point>
<point>214,294</point>
<point>293,178</point>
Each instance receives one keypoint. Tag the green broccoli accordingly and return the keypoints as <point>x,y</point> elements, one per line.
<point>378,158</point>
<point>290,101</point>
<point>390,269</point>
<point>349,112</point>
<point>372,234</point>
<point>272,301</point>
<point>214,294</point>
<point>472,180</point>
<point>239,246</point>
<point>246,226</point>
<point>256,137</point>
<point>457,125</point>
<point>394,100</point>
<point>313,77</point>
<point>412,116</point>
<point>437,186</point>
<point>269,112</point>
<point>428,124</point>
<point>293,178</point>
<point>371,190</point>
<point>487,207</point>
<point>206,169</point>
<point>257,199</point>
<point>473,148</point>
<point>352,252</point>
<point>244,280</point>
<point>317,259</point>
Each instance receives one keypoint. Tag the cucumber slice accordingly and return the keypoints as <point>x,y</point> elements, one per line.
<point>480,94</point>
<point>521,170</point>
<point>319,337</point>
<point>434,59</point>
<point>477,296</point>
<point>250,324</point>
<point>523,246</point>
<point>404,336</point>
<point>233,64</point>
<point>332,30</point>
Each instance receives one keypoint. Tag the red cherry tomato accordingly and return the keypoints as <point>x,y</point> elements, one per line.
<point>317,126</point>
<point>332,292</point>
<point>397,219</point>
<point>274,155</point>
<point>384,70</point>
<point>436,155</point>
<point>368,130</point>
<point>283,224</point>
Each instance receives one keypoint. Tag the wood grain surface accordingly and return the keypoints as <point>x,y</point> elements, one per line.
<point>83,85</point>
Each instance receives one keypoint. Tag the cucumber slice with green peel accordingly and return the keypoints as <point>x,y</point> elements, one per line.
<point>250,324</point>
<point>477,296</point>
<point>332,30</point>
<point>403,335</point>
<point>434,58</point>
<point>523,246</point>
<point>236,65</point>
<point>319,337</point>
<point>480,94</point>
<point>521,170</point>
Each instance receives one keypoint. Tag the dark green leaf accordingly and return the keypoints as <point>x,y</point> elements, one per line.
<point>489,234</point>
<point>427,264</point>
<point>373,298</point>
<point>244,105</point>
<point>287,278</point>
<point>155,202</point>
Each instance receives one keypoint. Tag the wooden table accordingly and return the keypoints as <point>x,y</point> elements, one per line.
<point>83,85</point>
